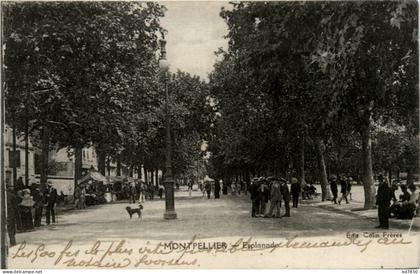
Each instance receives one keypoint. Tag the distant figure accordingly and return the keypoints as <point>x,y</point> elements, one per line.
<point>275,196</point>
<point>253,191</point>
<point>39,205</point>
<point>25,208</point>
<point>263,195</point>
<point>334,188</point>
<point>160,191</point>
<point>383,200</point>
<point>208,189</point>
<point>142,192</point>
<point>343,183</point>
<point>12,214</point>
<point>286,197</point>
<point>225,188</point>
<point>133,193</point>
<point>50,198</point>
<point>217,189</point>
<point>295,190</point>
<point>349,180</point>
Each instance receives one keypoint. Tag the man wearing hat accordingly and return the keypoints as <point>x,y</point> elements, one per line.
<point>253,191</point>
<point>50,195</point>
<point>383,201</point>
<point>263,195</point>
<point>295,189</point>
<point>284,189</point>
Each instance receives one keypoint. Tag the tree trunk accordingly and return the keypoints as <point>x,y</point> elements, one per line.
<point>14,153</point>
<point>302,162</point>
<point>131,170</point>
<point>145,176</point>
<point>108,165</point>
<point>78,164</point>
<point>44,157</point>
<point>322,171</point>
<point>26,152</point>
<point>101,160</point>
<point>368,183</point>
<point>157,177</point>
<point>118,166</point>
<point>151,177</point>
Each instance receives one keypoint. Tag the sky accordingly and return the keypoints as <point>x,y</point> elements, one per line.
<point>195,32</point>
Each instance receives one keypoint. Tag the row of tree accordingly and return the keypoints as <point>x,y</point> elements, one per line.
<point>86,74</point>
<point>328,87</point>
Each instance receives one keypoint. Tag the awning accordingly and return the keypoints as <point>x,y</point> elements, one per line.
<point>93,175</point>
<point>114,179</point>
<point>208,179</point>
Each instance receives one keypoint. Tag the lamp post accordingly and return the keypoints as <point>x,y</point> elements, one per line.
<point>168,179</point>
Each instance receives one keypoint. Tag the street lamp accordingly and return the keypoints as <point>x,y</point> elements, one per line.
<point>168,179</point>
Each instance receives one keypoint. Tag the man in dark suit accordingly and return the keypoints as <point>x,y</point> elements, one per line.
<point>253,191</point>
<point>12,214</point>
<point>295,189</point>
<point>284,189</point>
<point>263,195</point>
<point>217,189</point>
<point>50,195</point>
<point>39,204</point>
<point>383,200</point>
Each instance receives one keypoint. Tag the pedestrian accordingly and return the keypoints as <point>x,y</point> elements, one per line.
<point>12,212</point>
<point>142,192</point>
<point>160,191</point>
<point>233,188</point>
<point>38,205</point>
<point>284,189</point>
<point>343,183</point>
<point>82,200</point>
<point>383,201</point>
<point>50,198</point>
<point>334,188</point>
<point>350,179</point>
<point>263,195</point>
<point>253,191</point>
<point>275,200</point>
<point>190,186</point>
<point>151,191</point>
<point>217,189</point>
<point>208,189</point>
<point>295,190</point>
<point>25,208</point>
<point>225,187</point>
<point>133,193</point>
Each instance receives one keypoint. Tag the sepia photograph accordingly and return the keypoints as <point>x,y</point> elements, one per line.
<point>209,134</point>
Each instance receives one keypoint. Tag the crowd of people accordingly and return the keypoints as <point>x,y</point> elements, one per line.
<point>345,191</point>
<point>26,206</point>
<point>273,191</point>
<point>389,206</point>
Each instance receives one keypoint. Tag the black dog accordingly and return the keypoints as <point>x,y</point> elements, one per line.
<point>132,211</point>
